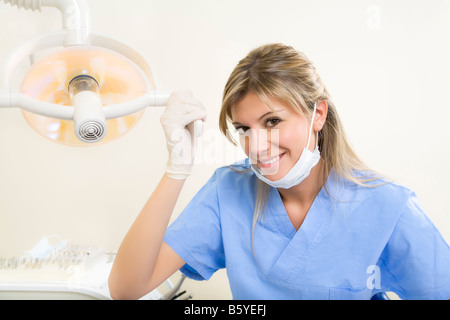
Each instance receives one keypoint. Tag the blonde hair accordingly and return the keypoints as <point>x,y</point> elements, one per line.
<point>280,72</point>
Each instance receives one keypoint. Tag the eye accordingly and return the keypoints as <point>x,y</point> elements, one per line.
<point>272,122</point>
<point>241,130</point>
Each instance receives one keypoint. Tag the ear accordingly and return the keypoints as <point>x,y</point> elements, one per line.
<point>321,115</point>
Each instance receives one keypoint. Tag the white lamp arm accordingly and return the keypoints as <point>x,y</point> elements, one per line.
<point>150,99</point>
<point>10,99</point>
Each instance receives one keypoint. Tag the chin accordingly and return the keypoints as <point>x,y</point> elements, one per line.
<point>273,174</point>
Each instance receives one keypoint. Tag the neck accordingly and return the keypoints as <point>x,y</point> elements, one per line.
<point>305,192</point>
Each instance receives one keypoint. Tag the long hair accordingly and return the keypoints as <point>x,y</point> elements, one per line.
<point>280,72</point>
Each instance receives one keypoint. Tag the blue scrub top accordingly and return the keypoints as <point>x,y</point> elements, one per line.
<point>352,245</point>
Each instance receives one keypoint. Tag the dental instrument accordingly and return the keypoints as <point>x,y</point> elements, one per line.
<point>63,270</point>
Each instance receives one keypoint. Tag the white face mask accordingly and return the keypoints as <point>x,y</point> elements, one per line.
<point>301,170</point>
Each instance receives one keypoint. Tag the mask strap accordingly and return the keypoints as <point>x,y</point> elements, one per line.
<point>310,128</point>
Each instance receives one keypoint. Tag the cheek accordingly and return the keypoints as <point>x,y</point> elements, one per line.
<point>289,138</point>
<point>278,139</point>
<point>293,138</point>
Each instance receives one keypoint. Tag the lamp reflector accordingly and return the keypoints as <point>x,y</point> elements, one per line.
<point>119,80</point>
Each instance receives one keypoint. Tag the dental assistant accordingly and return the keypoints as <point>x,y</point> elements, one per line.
<point>301,218</point>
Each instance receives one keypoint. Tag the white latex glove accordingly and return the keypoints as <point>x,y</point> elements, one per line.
<point>182,110</point>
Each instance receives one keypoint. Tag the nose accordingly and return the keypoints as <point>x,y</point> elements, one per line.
<point>256,143</point>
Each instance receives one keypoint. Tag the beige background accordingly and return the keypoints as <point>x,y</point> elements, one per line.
<point>384,62</point>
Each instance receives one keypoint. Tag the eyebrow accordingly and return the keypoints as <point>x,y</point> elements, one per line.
<point>262,117</point>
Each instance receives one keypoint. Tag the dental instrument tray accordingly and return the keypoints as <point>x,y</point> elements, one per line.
<point>67,272</point>
<point>72,272</point>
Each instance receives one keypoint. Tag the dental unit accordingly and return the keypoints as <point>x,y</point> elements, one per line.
<point>82,89</point>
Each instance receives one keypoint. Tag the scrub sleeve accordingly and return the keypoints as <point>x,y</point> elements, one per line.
<point>196,234</point>
<point>416,260</point>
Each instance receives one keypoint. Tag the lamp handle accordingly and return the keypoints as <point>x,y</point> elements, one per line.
<point>9,99</point>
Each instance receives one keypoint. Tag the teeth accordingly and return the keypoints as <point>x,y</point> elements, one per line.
<point>270,161</point>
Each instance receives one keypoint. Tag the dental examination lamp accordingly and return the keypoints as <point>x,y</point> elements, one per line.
<point>85,87</point>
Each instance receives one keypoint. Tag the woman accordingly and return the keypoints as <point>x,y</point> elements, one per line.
<point>301,218</point>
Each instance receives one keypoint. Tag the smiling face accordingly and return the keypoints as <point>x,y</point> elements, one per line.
<point>272,138</point>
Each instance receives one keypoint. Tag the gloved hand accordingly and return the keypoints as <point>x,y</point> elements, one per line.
<point>182,110</point>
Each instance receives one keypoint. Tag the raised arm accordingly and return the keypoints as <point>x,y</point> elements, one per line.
<point>143,261</point>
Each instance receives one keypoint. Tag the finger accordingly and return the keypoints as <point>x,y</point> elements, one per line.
<point>178,97</point>
<point>193,116</point>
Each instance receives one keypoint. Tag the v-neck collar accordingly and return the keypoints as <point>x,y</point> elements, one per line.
<point>313,219</point>
<point>300,242</point>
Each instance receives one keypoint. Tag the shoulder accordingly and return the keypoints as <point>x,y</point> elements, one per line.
<point>375,187</point>
<point>381,197</point>
<point>228,178</point>
<point>238,171</point>
<point>379,207</point>
<point>391,192</point>
<point>235,180</point>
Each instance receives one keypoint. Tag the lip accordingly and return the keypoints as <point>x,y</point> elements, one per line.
<point>270,162</point>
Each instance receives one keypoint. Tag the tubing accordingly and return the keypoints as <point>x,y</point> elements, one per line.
<point>34,5</point>
<point>75,13</point>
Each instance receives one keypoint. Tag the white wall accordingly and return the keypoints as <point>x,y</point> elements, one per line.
<point>384,62</point>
